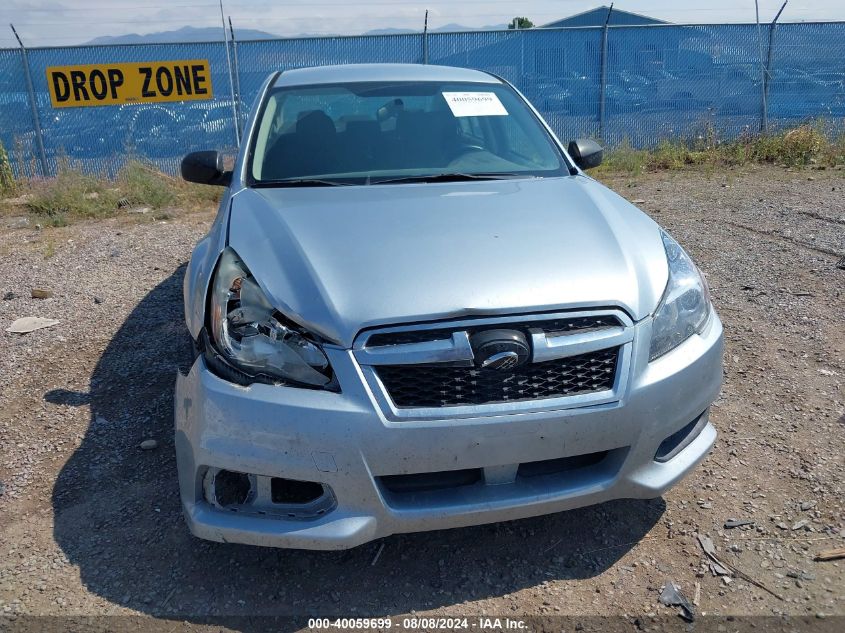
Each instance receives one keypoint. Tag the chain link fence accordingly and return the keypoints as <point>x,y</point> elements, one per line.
<point>635,84</point>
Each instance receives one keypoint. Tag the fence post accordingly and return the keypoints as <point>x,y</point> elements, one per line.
<point>602,87</point>
<point>33,104</point>
<point>425,39</point>
<point>767,75</point>
<point>764,115</point>
<point>521,59</point>
<point>237,97</point>
<point>231,79</point>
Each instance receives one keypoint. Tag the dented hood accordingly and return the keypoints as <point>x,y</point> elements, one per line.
<point>341,259</point>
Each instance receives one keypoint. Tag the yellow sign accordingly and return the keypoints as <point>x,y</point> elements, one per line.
<point>142,82</point>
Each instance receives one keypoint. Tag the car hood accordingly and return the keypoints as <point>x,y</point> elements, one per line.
<point>340,259</point>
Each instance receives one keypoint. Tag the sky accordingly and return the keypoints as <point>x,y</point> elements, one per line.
<point>66,22</point>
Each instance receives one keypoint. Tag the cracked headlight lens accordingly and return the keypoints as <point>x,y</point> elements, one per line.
<point>685,306</point>
<point>253,338</point>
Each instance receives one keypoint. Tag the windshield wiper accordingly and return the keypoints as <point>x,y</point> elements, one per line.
<point>300,182</point>
<point>449,177</point>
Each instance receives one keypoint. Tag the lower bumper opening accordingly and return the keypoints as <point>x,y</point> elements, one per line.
<point>271,496</point>
<point>432,481</point>
<point>680,439</point>
<point>532,478</point>
<point>561,465</point>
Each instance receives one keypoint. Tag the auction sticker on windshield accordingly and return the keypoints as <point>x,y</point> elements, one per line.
<point>474,104</point>
<point>135,82</point>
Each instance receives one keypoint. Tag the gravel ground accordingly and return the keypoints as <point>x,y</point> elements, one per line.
<point>90,523</point>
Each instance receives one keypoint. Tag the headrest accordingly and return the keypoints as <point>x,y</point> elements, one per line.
<point>315,122</point>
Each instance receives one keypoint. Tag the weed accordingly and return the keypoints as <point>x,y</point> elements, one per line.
<point>625,158</point>
<point>805,145</point>
<point>142,185</point>
<point>8,186</point>
<point>71,193</point>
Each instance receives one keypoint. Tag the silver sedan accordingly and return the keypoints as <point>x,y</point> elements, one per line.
<point>415,311</point>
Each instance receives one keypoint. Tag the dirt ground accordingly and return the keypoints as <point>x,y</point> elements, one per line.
<point>90,523</point>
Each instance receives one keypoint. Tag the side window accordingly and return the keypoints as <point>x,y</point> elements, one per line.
<point>268,132</point>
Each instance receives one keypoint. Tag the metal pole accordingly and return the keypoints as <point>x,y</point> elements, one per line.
<point>602,87</point>
<point>767,76</point>
<point>238,113</point>
<point>521,59</point>
<point>36,122</point>
<point>521,54</point>
<point>764,114</point>
<point>231,78</point>
<point>425,39</point>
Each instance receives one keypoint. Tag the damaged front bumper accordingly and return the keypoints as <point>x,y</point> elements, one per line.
<point>299,468</point>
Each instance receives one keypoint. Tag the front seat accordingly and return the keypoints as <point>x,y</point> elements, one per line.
<point>307,151</point>
<point>315,144</point>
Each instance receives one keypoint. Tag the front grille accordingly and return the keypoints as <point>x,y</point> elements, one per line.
<point>426,386</point>
<point>552,327</point>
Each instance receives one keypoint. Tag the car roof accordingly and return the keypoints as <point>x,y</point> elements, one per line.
<point>350,73</point>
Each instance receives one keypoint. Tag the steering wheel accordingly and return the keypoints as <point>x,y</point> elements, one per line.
<point>463,149</point>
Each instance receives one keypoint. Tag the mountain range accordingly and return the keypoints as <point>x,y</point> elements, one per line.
<point>185,34</point>
<point>215,33</point>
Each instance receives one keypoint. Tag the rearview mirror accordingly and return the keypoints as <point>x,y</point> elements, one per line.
<point>586,153</point>
<point>206,168</point>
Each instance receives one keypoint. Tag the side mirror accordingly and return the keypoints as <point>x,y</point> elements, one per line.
<point>206,168</point>
<point>586,153</point>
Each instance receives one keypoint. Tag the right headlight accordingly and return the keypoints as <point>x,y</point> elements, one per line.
<point>251,341</point>
<point>685,306</point>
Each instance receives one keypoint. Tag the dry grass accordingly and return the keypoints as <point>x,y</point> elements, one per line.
<point>802,146</point>
<point>8,186</point>
<point>74,195</point>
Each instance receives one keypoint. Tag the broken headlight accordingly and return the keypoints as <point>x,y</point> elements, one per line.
<point>685,305</point>
<point>252,338</point>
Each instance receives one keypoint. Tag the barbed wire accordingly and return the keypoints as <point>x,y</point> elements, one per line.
<point>244,15</point>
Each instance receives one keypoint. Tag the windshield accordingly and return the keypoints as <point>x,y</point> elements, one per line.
<point>365,133</point>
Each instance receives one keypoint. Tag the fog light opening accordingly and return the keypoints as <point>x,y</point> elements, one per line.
<point>290,491</point>
<point>680,439</point>
<point>229,488</point>
<point>271,497</point>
